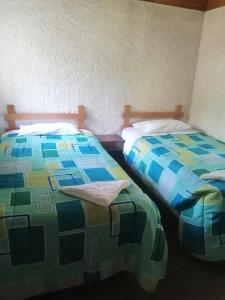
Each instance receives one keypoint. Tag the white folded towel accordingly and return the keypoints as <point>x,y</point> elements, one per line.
<point>216,175</point>
<point>101,192</point>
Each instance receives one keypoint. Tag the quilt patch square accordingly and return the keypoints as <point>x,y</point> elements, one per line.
<point>20,198</point>
<point>198,151</point>
<point>71,248</point>
<point>193,239</point>
<point>98,174</point>
<point>88,150</point>
<point>70,215</point>
<point>21,140</point>
<point>155,171</point>
<point>27,245</point>
<point>218,223</point>
<point>21,152</point>
<point>68,164</point>
<point>48,146</point>
<point>159,245</point>
<point>160,151</point>
<point>175,166</point>
<point>152,140</point>
<point>12,181</point>
<point>132,226</point>
<point>50,153</point>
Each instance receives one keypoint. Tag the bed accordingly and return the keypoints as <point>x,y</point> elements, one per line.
<point>51,241</point>
<point>171,164</point>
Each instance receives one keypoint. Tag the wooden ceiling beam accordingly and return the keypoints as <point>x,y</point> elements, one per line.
<point>202,5</point>
<point>214,4</point>
<point>191,4</point>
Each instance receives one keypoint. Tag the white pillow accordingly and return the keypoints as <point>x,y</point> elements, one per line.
<point>49,129</point>
<point>161,126</point>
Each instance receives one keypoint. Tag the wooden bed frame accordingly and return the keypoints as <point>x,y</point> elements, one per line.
<point>11,117</point>
<point>129,114</point>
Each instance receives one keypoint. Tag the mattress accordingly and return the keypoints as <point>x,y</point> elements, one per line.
<point>51,241</point>
<point>172,165</point>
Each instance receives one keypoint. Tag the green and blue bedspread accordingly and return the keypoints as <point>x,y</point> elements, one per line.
<point>172,164</point>
<point>50,241</point>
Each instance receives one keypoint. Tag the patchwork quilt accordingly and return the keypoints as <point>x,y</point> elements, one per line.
<point>50,241</point>
<point>172,165</point>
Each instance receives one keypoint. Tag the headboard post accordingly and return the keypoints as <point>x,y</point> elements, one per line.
<point>11,123</point>
<point>126,115</point>
<point>81,116</point>
<point>178,112</point>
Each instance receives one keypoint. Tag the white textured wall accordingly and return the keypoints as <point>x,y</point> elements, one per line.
<point>55,54</point>
<point>208,106</point>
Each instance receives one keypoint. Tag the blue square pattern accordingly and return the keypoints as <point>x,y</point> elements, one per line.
<point>12,134</point>
<point>131,156</point>
<point>206,146</point>
<point>195,138</point>
<point>155,171</point>
<point>68,164</point>
<point>88,150</point>
<point>21,152</point>
<point>48,146</point>
<point>98,174</point>
<point>70,181</point>
<point>198,151</point>
<point>177,200</point>
<point>81,139</point>
<point>160,151</point>
<point>175,166</point>
<point>153,140</point>
<point>167,136</point>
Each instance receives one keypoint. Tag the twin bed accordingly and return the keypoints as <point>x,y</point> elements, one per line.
<point>49,240</point>
<point>171,164</point>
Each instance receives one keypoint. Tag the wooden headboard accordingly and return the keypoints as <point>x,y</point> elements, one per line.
<point>11,117</point>
<point>129,114</point>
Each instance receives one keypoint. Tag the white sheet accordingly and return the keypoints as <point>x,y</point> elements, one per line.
<point>56,128</point>
<point>131,134</point>
<point>82,131</point>
<point>101,192</point>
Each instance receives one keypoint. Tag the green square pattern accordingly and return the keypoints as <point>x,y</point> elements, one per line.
<point>199,172</point>
<point>71,248</point>
<point>20,198</point>
<point>50,153</point>
<point>21,140</point>
<point>27,245</point>
<point>70,215</point>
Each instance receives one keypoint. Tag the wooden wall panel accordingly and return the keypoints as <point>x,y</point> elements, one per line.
<point>191,4</point>
<point>215,3</point>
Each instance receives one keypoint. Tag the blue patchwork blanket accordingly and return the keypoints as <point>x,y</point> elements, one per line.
<point>172,164</point>
<point>49,240</point>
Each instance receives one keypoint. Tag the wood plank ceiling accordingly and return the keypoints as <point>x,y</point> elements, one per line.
<point>202,5</point>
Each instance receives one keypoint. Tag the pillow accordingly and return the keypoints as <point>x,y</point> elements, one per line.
<point>49,129</point>
<point>161,126</point>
